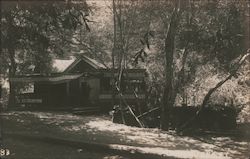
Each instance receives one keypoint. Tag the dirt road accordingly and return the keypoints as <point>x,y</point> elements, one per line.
<point>119,138</point>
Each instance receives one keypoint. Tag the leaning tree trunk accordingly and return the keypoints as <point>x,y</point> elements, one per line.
<point>168,100</point>
<point>212,90</point>
<point>218,85</point>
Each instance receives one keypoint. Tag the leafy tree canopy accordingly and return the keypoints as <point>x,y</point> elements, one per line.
<point>32,30</point>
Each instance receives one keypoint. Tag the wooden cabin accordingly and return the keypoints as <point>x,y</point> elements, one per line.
<point>77,83</point>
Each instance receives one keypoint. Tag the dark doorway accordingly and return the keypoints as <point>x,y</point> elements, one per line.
<point>85,89</point>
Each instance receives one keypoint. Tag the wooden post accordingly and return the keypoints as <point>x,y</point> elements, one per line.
<point>67,93</point>
<point>0,91</point>
<point>79,96</point>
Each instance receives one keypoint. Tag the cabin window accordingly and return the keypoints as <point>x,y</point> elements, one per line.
<point>26,88</point>
<point>131,85</point>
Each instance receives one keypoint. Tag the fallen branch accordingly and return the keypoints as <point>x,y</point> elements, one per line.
<point>148,112</point>
<point>131,111</point>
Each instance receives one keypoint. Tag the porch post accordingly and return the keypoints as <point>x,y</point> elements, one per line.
<point>67,94</point>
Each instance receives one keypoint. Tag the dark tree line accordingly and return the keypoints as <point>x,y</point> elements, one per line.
<point>171,39</point>
<point>213,31</point>
<point>32,32</point>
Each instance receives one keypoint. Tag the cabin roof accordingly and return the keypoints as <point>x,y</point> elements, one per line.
<point>133,70</point>
<point>39,78</point>
<point>63,71</point>
<point>65,65</point>
<point>60,65</point>
<point>93,63</point>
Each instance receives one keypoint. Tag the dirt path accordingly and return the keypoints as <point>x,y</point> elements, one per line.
<point>32,149</point>
<point>100,129</point>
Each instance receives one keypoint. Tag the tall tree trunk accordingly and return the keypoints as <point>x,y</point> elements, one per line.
<point>11,54</point>
<point>113,53</point>
<point>247,24</point>
<point>114,38</point>
<point>12,72</point>
<point>181,78</point>
<point>168,93</point>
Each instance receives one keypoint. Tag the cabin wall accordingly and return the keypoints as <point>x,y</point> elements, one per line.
<point>94,88</point>
<point>53,95</point>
